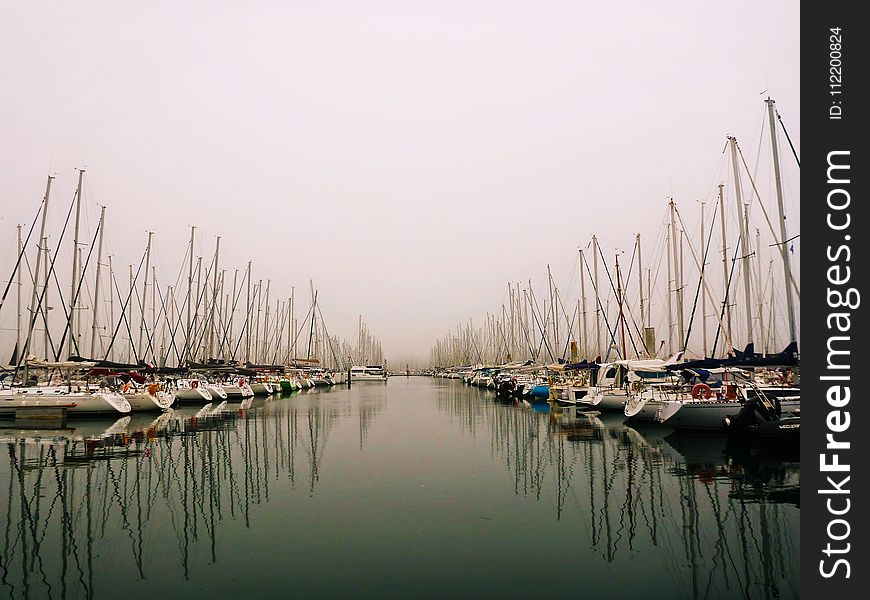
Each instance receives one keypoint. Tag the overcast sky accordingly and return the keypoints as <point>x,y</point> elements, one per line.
<point>410,157</point>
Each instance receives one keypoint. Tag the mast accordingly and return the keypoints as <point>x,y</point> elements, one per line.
<point>585,340</point>
<point>677,247</point>
<point>703,284</point>
<point>640,292</point>
<point>669,242</point>
<point>266,322</point>
<point>140,347</point>
<point>32,315</point>
<point>248,318</point>
<point>744,239</point>
<point>214,300</point>
<point>196,323</point>
<point>153,343</point>
<point>553,310</point>
<point>621,315</point>
<point>597,296</point>
<point>259,293</point>
<point>18,297</point>
<point>46,268</point>
<point>110,353</point>
<point>783,248</point>
<point>72,298</point>
<point>130,306</point>
<point>724,263</point>
<point>78,316</point>
<point>759,291</point>
<point>293,319</point>
<point>232,315</point>
<point>97,282</point>
<point>189,290</point>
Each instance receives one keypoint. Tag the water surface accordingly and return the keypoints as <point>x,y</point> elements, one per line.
<point>419,488</point>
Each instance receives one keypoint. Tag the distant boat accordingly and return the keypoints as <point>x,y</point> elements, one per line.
<point>368,373</point>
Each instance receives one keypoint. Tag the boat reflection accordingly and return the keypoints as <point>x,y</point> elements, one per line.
<point>720,518</point>
<point>98,492</point>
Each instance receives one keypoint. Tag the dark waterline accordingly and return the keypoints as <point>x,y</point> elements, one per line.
<point>418,488</point>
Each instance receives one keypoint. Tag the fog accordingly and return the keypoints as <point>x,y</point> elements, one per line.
<point>410,158</point>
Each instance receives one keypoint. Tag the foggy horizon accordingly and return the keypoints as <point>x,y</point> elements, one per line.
<point>409,160</point>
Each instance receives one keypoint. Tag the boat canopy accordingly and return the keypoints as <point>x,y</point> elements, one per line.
<point>38,363</point>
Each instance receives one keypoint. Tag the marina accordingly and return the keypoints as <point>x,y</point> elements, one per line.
<point>412,300</point>
<point>496,499</point>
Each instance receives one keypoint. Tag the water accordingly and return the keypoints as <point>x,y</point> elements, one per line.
<point>417,488</point>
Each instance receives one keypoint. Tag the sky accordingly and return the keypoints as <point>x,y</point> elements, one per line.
<point>409,157</point>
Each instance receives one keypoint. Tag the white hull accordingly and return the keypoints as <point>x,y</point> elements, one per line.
<point>76,403</point>
<point>198,394</point>
<point>217,391</point>
<point>355,377</point>
<point>145,402</point>
<point>261,389</point>
<point>710,415</point>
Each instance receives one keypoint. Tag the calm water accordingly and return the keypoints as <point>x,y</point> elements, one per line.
<point>418,488</point>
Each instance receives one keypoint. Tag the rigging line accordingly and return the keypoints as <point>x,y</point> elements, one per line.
<point>624,295</point>
<point>75,300</point>
<point>202,294</point>
<point>701,279</point>
<point>613,333</point>
<point>247,313</point>
<point>725,300</point>
<point>38,307</point>
<point>124,311</point>
<point>763,210</point>
<point>600,307</point>
<point>226,329</point>
<point>785,131</point>
<point>164,314</point>
<point>540,329</point>
<point>21,255</point>
<point>568,341</point>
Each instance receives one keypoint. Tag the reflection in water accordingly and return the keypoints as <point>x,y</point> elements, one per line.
<point>180,504</point>
<point>81,498</point>
<point>722,519</point>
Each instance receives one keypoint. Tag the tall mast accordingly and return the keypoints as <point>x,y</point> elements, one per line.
<point>32,314</point>
<point>783,245</point>
<point>129,306</point>
<point>553,310</point>
<point>289,325</point>
<point>621,315</point>
<point>266,322</point>
<point>259,293</point>
<point>597,296</point>
<point>78,316</point>
<point>725,291</point>
<point>189,336</point>
<point>46,268</point>
<point>197,325</point>
<point>744,239</point>
<point>97,283</point>
<point>110,352</point>
<point>18,297</point>
<point>293,319</point>
<point>584,341</point>
<point>759,291</point>
<point>640,292</point>
<point>669,241</point>
<point>154,314</point>
<point>140,347</point>
<point>703,284</point>
<point>677,273</point>
<point>230,320</point>
<point>72,297</point>
<point>248,317</point>
<point>214,300</point>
